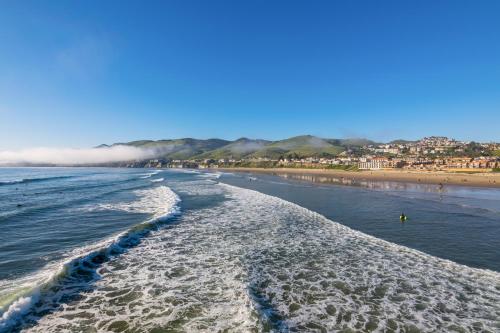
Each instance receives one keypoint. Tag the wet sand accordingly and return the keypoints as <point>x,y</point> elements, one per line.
<point>483,179</point>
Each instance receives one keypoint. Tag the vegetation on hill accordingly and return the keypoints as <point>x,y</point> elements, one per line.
<point>292,148</point>
<point>474,149</point>
<point>235,150</point>
<point>181,149</point>
<point>401,142</point>
<point>244,148</point>
<point>301,146</point>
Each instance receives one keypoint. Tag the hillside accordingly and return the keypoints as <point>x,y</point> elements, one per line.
<point>301,146</point>
<point>401,142</point>
<point>181,149</point>
<point>305,145</point>
<point>237,149</point>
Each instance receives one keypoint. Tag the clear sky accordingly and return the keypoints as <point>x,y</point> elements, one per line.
<point>81,73</point>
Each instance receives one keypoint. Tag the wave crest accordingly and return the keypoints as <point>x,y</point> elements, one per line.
<point>81,267</point>
<point>32,180</point>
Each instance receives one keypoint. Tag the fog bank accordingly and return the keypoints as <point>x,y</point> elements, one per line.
<point>72,156</point>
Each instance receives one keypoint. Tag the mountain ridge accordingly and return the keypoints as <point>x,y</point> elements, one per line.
<point>213,148</point>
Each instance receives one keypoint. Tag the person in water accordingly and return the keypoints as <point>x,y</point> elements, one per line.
<point>402,217</point>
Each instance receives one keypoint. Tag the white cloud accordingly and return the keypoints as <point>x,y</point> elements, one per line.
<point>71,156</point>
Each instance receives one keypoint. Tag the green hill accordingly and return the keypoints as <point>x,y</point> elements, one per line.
<point>181,149</point>
<point>236,150</point>
<point>401,142</point>
<point>303,146</point>
<point>298,146</point>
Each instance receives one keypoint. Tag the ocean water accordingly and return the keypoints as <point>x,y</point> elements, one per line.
<point>134,250</point>
<point>458,223</point>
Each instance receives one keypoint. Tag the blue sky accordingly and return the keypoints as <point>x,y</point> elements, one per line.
<point>81,73</point>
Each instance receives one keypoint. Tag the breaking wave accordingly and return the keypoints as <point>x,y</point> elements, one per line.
<point>245,261</point>
<point>31,180</point>
<point>150,174</point>
<point>77,272</point>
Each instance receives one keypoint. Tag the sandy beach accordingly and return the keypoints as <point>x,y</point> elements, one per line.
<point>419,177</point>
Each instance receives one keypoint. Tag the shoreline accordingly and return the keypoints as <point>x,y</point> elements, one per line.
<point>491,180</point>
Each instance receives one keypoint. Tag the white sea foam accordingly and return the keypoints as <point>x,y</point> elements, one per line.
<point>160,202</point>
<point>157,180</point>
<point>157,201</point>
<point>17,309</point>
<point>186,170</point>
<point>211,175</point>
<point>253,262</point>
<point>150,174</point>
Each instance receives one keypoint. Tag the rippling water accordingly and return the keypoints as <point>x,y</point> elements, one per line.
<point>457,223</point>
<point>181,252</point>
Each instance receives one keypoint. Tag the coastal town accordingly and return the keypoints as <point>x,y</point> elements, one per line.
<point>428,154</point>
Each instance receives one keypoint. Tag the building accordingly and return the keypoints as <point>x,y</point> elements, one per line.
<point>375,163</point>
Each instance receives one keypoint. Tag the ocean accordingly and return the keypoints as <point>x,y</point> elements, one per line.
<point>139,250</point>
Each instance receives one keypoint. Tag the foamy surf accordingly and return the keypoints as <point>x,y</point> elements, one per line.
<point>372,285</point>
<point>18,297</point>
<point>253,262</point>
<point>150,174</point>
<point>157,201</point>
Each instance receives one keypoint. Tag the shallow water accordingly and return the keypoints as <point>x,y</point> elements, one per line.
<point>457,223</point>
<point>217,257</point>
